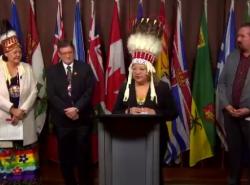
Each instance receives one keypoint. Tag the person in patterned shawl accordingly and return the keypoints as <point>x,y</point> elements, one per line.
<point>18,155</point>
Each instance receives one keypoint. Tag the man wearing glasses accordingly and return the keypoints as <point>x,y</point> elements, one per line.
<point>70,85</point>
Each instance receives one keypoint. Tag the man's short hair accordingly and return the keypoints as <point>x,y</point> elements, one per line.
<point>245,24</point>
<point>65,43</point>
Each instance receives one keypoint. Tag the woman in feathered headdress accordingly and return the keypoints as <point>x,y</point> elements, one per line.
<point>143,93</point>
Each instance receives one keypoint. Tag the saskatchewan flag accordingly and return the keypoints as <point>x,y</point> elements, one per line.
<point>202,134</point>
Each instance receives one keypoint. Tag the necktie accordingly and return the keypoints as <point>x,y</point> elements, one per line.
<point>69,76</point>
<point>69,73</point>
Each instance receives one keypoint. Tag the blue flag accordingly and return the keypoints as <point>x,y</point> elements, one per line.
<point>139,10</point>
<point>228,44</point>
<point>14,21</point>
<point>77,34</point>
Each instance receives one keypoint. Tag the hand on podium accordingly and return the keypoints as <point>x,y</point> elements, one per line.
<point>140,110</point>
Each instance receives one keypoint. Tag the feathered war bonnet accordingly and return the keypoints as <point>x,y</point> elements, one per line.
<point>144,45</point>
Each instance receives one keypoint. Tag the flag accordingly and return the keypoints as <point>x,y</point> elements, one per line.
<point>115,70</point>
<point>59,32</point>
<point>202,133</point>
<point>77,34</point>
<point>15,23</point>
<point>139,10</point>
<point>34,57</point>
<point>227,46</point>
<point>179,136</point>
<point>162,63</point>
<point>58,35</point>
<point>96,62</point>
<point>163,72</point>
<point>139,15</point>
<point>247,13</point>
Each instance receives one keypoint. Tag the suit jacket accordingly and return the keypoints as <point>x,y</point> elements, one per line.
<point>82,86</point>
<point>226,81</point>
<point>28,94</point>
<point>165,106</point>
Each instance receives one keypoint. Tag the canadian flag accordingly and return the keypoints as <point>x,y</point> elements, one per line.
<point>115,70</point>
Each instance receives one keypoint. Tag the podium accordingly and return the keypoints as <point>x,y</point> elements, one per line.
<point>129,149</point>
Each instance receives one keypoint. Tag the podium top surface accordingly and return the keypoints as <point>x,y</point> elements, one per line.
<point>130,126</point>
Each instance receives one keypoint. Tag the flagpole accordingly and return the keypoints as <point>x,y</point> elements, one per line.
<point>179,14</point>
<point>92,7</point>
<point>179,3</point>
<point>248,10</point>
<point>205,8</point>
<point>118,6</point>
<point>232,5</point>
<point>248,7</point>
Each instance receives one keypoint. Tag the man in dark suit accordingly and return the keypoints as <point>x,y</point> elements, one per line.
<point>69,87</point>
<point>234,101</point>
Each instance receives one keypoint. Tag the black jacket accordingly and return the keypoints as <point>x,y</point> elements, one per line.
<point>165,106</point>
<point>83,82</point>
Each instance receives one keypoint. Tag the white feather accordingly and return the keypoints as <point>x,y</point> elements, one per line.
<point>7,35</point>
<point>144,42</point>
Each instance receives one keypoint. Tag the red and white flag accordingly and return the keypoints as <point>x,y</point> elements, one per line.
<point>34,57</point>
<point>59,32</point>
<point>115,70</point>
<point>96,62</point>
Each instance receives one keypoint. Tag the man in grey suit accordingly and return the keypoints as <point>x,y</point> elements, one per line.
<point>234,100</point>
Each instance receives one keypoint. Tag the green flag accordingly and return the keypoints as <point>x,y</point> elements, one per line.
<point>202,134</point>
